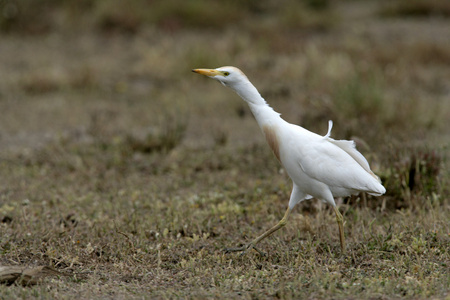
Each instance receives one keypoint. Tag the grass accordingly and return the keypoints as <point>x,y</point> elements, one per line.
<point>416,8</point>
<point>169,15</point>
<point>128,175</point>
<point>146,244</point>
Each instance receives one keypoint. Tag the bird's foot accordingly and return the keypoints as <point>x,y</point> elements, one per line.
<point>244,249</point>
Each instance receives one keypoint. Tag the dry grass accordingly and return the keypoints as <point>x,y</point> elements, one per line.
<point>168,15</point>
<point>129,175</point>
<point>416,8</point>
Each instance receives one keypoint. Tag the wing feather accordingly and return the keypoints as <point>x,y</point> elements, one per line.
<point>335,163</point>
<point>350,148</point>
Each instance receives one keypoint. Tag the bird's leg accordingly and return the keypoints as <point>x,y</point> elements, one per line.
<point>252,244</point>
<point>340,221</point>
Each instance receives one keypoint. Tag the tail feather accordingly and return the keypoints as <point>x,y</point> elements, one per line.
<point>376,188</point>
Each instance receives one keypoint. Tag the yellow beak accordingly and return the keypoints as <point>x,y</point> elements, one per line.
<point>207,72</point>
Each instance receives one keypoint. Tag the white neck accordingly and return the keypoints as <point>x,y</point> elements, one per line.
<point>249,93</point>
<point>261,110</point>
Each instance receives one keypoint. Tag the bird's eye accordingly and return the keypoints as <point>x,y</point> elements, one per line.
<point>226,73</point>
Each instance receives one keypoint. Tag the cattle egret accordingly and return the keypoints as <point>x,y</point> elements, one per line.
<point>319,166</point>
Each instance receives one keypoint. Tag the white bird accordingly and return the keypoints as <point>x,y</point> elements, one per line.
<point>319,166</point>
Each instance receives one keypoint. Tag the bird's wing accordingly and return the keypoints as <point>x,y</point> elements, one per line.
<point>350,148</point>
<point>328,163</point>
<point>335,163</point>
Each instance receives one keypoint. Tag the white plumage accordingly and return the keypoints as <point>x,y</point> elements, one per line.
<point>319,166</point>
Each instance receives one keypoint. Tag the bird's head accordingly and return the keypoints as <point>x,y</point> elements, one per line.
<point>228,76</point>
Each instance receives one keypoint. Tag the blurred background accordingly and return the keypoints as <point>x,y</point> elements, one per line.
<point>86,79</point>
